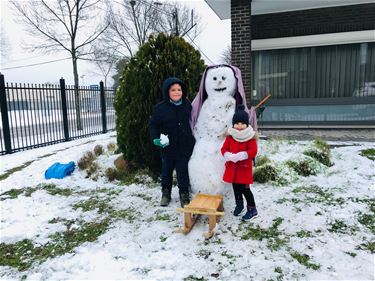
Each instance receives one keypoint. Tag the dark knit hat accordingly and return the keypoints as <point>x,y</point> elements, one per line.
<point>240,116</point>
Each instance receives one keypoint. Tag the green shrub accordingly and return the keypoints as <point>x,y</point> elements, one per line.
<point>303,168</point>
<point>261,160</point>
<point>98,149</point>
<point>369,153</point>
<point>140,89</point>
<point>86,160</point>
<point>321,144</point>
<point>265,173</point>
<point>320,151</point>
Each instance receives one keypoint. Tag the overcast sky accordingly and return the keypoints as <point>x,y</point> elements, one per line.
<point>212,41</point>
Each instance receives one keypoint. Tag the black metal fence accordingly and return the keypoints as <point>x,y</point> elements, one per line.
<point>39,115</point>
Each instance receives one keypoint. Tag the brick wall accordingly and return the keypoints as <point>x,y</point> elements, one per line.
<point>314,21</point>
<point>241,38</point>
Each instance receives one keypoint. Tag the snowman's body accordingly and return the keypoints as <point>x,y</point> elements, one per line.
<point>206,165</point>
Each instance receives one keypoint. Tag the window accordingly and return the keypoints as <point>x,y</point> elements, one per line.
<point>315,72</point>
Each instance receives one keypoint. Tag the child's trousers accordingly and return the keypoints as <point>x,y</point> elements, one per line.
<point>181,165</point>
<point>243,189</point>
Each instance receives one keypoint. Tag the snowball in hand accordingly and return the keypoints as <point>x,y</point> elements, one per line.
<point>164,140</point>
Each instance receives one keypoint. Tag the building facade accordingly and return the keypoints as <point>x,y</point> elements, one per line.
<point>315,58</point>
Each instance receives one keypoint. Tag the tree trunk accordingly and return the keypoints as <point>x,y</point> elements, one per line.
<point>76,94</point>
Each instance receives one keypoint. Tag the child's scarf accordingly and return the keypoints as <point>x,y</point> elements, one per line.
<point>242,135</point>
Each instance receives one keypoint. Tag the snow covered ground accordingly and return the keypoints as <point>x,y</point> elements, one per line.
<point>316,227</point>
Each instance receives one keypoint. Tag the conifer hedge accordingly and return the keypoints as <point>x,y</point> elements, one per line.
<point>139,90</point>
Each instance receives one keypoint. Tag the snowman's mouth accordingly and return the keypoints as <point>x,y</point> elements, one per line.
<point>220,89</point>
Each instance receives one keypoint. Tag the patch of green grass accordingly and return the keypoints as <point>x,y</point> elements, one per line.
<point>103,207</point>
<point>351,254</point>
<point>15,169</point>
<point>110,192</point>
<point>93,203</point>
<point>163,238</point>
<point>143,270</point>
<point>129,214</point>
<point>143,196</point>
<point>203,253</point>
<point>23,254</point>
<point>304,259</point>
<point>339,226</point>
<point>54,190</point>
<point>368,153</point>
<point>193,278</point>
<point>64,242</point>
<point>17,255</point>
<point>11,194</point>
<point>319,195</point>
<point>28,191</point>
<point>368,246</point>
<point>271,234</point>
<point>370,202</point>
<point>163,217</point>
<point>230,257</point>
<point>303,233</point>
<point>213,240</point>
<point>282,200</point>
<point>368,220</point>
<point>142,176</point>
<point>278,269</point>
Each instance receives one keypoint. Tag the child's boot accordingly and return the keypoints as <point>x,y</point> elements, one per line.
<point>251,213</point>
<point>239,208</point>
<point>165,197</point>
<point>184,199</point>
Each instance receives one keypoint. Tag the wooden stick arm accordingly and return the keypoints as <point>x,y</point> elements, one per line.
<point>262,101</point>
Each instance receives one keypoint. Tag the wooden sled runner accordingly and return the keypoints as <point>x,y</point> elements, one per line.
<point>202,204</point>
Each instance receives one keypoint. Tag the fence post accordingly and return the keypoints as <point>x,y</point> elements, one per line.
<point>4,116</point>
<point>103,106</point>
<point>64,109</point>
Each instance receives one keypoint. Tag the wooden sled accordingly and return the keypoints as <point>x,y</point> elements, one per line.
<point>202,204</point>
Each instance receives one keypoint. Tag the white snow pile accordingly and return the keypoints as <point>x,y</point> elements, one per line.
<point>313,227</point>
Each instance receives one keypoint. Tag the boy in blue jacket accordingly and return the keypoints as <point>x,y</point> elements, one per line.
<point>171,117</point>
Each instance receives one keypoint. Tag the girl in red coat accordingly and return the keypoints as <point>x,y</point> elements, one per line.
<point>239,149</point>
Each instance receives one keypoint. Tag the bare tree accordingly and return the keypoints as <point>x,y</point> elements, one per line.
<point>4,43</point>
<point>63,25</point>
<point>132,22</point>
<point>104,60</point>
<point>226,56</point>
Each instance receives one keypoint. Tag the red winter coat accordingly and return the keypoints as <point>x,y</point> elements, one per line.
<point>242,171</point>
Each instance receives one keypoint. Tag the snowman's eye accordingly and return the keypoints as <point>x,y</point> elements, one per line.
<point>223,78</point>
<point>215,78</point>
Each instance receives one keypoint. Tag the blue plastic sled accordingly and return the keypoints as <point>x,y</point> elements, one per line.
<point>59,171</point>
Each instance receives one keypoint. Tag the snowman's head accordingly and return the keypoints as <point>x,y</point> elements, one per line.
<point>220,81</point>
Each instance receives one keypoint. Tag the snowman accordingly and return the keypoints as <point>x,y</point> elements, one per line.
<point>221,91</point>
